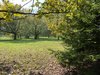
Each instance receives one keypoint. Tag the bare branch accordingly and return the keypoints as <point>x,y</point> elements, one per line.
<point>32,7</point>
<point>24,4</point>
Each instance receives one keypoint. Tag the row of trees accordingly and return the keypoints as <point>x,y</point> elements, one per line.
<point>25,28</point>
<point>20,25</point>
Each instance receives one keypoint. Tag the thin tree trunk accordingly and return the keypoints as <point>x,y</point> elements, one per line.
<point>36,33</point>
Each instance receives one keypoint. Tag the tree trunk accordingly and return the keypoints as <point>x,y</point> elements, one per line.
<point>58,38</point>
<point>36,33</point>
<point>15,36</point>
<point>48,35</point>
<point>36,36</point>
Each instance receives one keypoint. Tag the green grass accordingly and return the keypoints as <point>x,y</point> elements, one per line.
<point>30,53</point>
<point>34,45</point>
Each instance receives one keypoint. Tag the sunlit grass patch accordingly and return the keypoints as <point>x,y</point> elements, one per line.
<point>28,53</point>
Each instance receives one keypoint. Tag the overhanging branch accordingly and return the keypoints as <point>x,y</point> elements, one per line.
<point>13,18</point>
<point>16,12</point>
<point>25,13</point>
<point>2,19</point>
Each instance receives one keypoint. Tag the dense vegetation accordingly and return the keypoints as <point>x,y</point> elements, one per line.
<point>77,22</point>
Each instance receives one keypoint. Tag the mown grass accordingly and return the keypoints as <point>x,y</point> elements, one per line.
<point>28,53</point>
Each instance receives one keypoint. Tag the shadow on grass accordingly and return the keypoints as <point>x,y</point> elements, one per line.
<point>28,40</point>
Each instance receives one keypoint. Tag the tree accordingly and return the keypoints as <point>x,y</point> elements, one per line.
<point>32,26</point>
<point>80,31</point>
<point>26,28</point>
<point>38,26</point>
<point>11,23</point>
<point>11,27</point>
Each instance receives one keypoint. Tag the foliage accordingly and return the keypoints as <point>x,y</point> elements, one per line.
<point>8,16</point>
<point>11,23</point>
<point>80,31</point>
<point>33,26</point>
<point>18,24</point>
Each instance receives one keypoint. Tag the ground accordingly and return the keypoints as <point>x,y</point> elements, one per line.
<point>22,56</point>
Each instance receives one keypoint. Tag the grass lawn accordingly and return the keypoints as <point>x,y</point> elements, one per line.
<point>28,53</point>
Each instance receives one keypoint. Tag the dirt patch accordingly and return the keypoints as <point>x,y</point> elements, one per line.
<point>15,68</point>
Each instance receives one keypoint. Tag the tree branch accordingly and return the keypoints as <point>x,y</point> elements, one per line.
<point>24,4</point>
<point>13,18</point>
<point>24,13</point>
<point>17,12</point>
<point>2,19</point>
